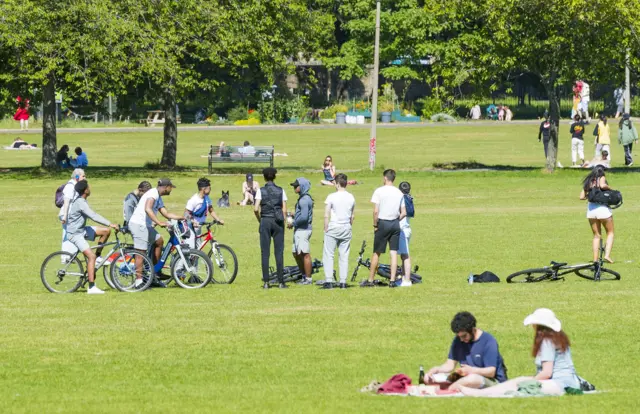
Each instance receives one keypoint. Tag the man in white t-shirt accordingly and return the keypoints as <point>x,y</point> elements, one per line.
<point>197,209</point>
<point>69,194</point>
<point>143,219</point>
<point>584,102</point>
<point>388,210</point>
<point>338,219</point>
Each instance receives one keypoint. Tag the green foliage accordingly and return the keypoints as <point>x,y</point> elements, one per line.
<point>429,106</point>
<point>238,113</point>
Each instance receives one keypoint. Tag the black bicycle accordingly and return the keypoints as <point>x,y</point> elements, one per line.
<point>383,269</point>
<point>556,271</point>
<point>293,273</point>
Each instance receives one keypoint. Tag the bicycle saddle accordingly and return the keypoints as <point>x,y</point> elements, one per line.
<point>556,264</point>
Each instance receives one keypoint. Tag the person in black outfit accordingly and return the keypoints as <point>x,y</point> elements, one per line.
<point>270,209</point>
<point>544,134</point>
<point>62,157</point>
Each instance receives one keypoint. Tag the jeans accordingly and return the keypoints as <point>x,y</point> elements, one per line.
<point>628,158</point>
<point>545,142</point>
<point>269,229</point>
<point>339,236</point>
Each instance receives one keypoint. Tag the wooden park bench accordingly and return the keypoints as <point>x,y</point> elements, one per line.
<point>231,154</point>
<point>155,118</point>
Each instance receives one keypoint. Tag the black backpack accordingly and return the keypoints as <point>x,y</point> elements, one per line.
<point>486,277</point>
<point>611,198</point>
<point>408,204</point>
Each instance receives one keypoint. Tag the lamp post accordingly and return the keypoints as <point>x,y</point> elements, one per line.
<point>374,101</point>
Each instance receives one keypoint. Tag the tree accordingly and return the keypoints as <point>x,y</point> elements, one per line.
<point>79,47</point>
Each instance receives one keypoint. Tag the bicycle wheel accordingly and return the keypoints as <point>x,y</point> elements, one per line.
<point>290,274</point>
<point>529,276</point>
<point>123,271</point>
<point>225,264</point>
<point>61,272</point>
<point>195,273</point>
<point>590,273</point>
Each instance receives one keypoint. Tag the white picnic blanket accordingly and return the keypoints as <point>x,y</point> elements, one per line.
<point>22,148</point>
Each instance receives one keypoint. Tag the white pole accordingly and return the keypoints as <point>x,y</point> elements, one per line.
<point>374,102</point>
<point>627,87</point>
<point>110,111</point>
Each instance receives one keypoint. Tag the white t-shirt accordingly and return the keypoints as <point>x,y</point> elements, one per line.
<point>139,216</point>
<point>389,199</point>
<point>259,195</point>
<point>69,193</point>
<point>342,204</point>
<point>195,204</point>
<point>585,90</point>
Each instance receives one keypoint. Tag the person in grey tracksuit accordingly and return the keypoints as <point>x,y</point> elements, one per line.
<point>338,219</point>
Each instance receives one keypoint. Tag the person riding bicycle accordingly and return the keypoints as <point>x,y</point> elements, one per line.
<point>69,194</point>
<point>142,221</point>
<point>197,208</point>
<point>78,232</point>
<point>131,200</point>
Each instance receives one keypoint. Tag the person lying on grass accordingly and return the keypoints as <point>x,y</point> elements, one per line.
<point>481,365</point>
<point>555,370</point>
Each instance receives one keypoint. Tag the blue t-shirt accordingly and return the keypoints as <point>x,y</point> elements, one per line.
<point>482,353</point>
<point>563,370</point>
<point>81,160</point>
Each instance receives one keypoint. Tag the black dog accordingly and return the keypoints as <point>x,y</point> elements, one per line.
<point>223,202</point>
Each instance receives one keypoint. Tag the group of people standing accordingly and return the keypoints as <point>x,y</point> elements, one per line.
<point>391,225</point>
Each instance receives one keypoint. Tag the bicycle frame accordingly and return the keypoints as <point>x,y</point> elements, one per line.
<point>174,243</point>
<point>117,246</point>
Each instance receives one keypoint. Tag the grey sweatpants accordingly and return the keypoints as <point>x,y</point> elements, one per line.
<point>337,235</point>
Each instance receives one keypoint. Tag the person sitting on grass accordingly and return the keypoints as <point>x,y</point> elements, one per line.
<point>249,190</point>
<point>329,171</point>
<point>552,353</point>
<point>81,160</point>
<point>599,161</point>
<point>481,365</point>
<point>78,232</point>
<point>62,157</point>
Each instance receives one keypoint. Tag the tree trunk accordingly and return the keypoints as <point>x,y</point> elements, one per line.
<point>49,144</point>
<point>170,146</point>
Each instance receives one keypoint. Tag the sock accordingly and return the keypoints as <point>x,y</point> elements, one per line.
<point>91,284</point>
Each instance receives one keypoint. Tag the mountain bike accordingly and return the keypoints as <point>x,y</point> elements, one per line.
<point>222,256</point>
<point>383,269</point>
<point>556,271</point>
<point>293,273</point>
<point>63,272</point>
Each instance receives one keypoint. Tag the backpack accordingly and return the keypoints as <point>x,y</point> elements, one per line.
<point>408,204</point>
<point>59,197</point>
<point>485,277</point>
<point>611,198</point>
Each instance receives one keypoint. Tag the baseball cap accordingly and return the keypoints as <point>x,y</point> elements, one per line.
<point>544,317</point>
<point>249,177</point>
<point>295,184</point>
<point>165,182</point>
<point>625,116</point>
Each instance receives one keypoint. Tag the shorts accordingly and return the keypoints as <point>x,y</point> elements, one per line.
<point>488,382</point>
<point>388,232</point>
<point>598,211</point>
<point>80,239</point>
<point>621,107</point>
<point>143,236</point>
<point>301,241</point>
<point>403,242</point>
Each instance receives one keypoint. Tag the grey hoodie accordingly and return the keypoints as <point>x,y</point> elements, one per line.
<point>78,214</point>
<point>304,207</point>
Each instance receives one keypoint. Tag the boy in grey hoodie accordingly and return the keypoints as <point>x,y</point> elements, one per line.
<point>301,224</point>
<point>78,232</point>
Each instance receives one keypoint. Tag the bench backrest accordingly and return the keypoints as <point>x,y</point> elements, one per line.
<point>241,151</point>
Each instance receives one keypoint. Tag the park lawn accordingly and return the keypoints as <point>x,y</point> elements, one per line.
<point>238,348</point>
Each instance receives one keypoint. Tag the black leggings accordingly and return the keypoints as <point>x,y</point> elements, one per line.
<point>269,229</point>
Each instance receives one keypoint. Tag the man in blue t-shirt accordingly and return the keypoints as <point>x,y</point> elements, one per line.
<point>481,364</point>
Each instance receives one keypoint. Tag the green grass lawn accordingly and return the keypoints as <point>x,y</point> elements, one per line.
<point>238,348</point>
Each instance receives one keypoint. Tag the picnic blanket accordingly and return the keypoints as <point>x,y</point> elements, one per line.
<point>22,148</point>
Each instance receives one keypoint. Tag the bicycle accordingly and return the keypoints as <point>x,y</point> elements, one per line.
<point>293,273</point>
<point>222,255</point>
<point>63,272</point>
<point>556,271</point>
<point>383,270</point>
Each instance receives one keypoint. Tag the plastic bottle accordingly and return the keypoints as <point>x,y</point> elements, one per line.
<point>470,279</point>
<point>421,375</point>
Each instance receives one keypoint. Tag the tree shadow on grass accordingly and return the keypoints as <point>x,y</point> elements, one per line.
<point>473,165</point>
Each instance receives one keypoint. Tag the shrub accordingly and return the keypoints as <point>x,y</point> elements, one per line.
<point>330,112</point>
<point>245,122</point>
<point>237,114</point>
<point>386,106</point>
<point>253,114</point>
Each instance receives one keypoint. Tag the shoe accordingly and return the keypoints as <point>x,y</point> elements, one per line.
<point>138,283</point>
<point>630,164</point>
<point>366,283</point>
<point>158,284</point>
<point>266,285</point>
<point>392,284</point>
<point>559,165</point>
<point>95,290</point>
<point>343,285</point>
<point>162,276</point>
<point>305,281</point>
<point>406,283</point>
<point>327,285</point>
<point>99,260</point>
<point>283,286</point>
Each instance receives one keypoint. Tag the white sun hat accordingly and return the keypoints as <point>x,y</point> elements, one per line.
<point>544,317</point>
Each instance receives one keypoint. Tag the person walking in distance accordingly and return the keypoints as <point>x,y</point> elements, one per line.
<point>577,140</point>
<point>69,193</point>
<point>302,228</point>
<point>603,137</point>
<point>270,209</point>
<point>131,200</point>
<point>78,232</point>
<point>544,134</point>
<point>142,221</point>
<point>388,210</point>
<point>627,135</point>
<point>405,233</point>
<point>339,214</point>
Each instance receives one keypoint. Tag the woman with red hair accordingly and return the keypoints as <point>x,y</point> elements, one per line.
<point>552,353</point>
<point>22,113</point>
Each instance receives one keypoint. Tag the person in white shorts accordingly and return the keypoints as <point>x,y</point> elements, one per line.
<point>143,219</point>
<point>69,194</point>
<point>598,214</point>
<point>338,220</point>
<point>405,235</point>
<point>197,209</point>
<point>78,232</point>
<point>584,101</point>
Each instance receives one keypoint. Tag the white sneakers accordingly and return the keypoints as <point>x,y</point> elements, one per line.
<point>99,260</point>
<point>406,283</point>
<point>139,282</point>
<point>95,290</point>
